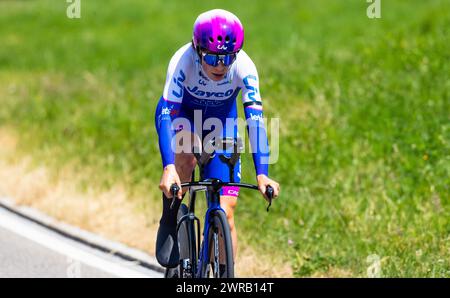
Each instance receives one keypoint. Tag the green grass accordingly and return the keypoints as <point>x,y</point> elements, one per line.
<point>364,108</point>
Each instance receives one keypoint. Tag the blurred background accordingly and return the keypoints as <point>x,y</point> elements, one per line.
<point>363,103</point>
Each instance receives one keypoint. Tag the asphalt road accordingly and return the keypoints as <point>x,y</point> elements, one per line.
<point>28,250</point>
<point>21,257</point>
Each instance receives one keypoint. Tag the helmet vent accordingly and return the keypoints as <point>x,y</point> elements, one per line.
<point>219,38</point>
<point>227,39</point>
<point>211,40</point>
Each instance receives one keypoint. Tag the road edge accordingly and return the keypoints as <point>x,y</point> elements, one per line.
<point>92,240</point>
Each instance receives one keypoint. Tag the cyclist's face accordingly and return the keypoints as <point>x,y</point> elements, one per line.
<point>215,73</point>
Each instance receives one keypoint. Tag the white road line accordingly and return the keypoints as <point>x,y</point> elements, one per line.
<point>26,230</point>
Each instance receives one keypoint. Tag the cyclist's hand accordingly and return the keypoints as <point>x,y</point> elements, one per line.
<point>263,182</point>
<point>169,177</point>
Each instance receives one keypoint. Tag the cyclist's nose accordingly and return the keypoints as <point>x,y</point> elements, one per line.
<point>221,66</point>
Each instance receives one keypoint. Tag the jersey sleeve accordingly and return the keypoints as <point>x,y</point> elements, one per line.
<point>169,107</point>
<point>253,109</point>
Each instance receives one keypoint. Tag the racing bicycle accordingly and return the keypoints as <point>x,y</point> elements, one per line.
<point>211,256</point>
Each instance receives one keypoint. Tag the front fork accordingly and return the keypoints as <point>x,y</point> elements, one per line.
<point>188,267</point>
<point>213,198</point>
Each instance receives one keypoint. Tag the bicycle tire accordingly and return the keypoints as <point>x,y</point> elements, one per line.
<point>220,227</point>
<point>186,244</point>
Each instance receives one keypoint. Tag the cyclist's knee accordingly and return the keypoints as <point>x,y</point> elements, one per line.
<point>185,161</point>
<point>185,164</point>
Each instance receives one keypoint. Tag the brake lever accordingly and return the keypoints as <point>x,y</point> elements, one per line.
<point>174,190</point>
<point>269,194</point>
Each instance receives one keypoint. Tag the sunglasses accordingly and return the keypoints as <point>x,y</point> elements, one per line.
<point>213,59</point>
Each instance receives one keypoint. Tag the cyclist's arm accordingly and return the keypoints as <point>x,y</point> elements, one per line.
<point>170,104</point>
<point>165,130</point>
<point>257,136</point>
<point>253,110</point>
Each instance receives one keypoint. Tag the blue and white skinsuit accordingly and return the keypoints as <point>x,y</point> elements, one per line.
<point>188,89</point>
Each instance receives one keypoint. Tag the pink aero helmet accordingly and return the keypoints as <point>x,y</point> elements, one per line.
<point>218,31</point>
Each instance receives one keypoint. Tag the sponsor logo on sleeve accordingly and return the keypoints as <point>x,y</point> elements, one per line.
<point>256,117</point>
<point>253,91</point>
<point>169,111</point>
<point>179,82</point>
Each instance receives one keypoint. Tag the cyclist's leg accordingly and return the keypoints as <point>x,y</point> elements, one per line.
<point>228,195</point>
<point>185,161</point>
<point>228,203</point>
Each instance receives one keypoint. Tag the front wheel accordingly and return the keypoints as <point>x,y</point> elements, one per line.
<point>219,262</point>
<point>187,247</point>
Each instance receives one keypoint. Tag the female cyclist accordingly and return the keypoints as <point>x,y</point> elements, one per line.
<point>203,81</point>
